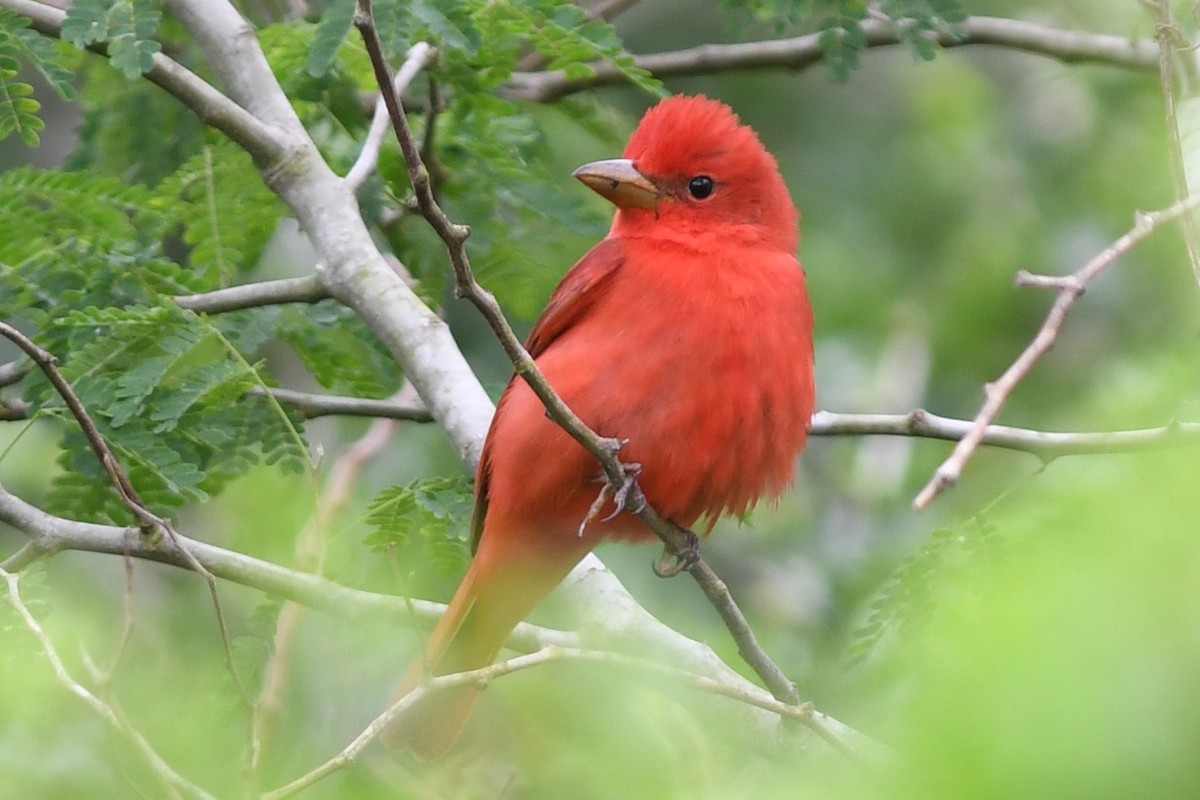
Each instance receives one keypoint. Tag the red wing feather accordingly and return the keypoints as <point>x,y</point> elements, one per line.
<point>585,282</point>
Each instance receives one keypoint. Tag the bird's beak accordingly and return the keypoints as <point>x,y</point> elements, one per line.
<point>619,182</point>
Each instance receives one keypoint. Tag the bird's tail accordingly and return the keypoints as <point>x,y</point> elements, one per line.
<point>498,591</point>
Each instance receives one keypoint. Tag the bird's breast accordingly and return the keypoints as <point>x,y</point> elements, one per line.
<point>704,366</point>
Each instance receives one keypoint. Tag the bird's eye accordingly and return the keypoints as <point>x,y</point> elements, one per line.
<point>701,186</point>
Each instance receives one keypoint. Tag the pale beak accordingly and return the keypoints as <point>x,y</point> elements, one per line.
<point>619,182</point>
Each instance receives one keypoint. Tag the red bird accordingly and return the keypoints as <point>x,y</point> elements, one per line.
<point>687,332</point>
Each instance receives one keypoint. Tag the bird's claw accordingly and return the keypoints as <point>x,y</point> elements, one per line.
<point>670,563</point>
<point>621,495</point>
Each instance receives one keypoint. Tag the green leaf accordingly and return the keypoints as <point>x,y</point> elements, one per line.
<point>947,565</point>
<point>331,33</point>
<point>128,26</point>
<point>338,349</point>
<point>86,22</point>
<point>227,214</point>
<point>170,397</point>
<point>427,518</point>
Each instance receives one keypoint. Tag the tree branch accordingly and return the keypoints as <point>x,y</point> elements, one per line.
<point>308,289</point>
<point>172,779</point>
<point>802,52</point>
<point>49,534</point>
<point>1046,445</point>
<point>752,696</point>
<point>677,541</point>
<point>321,405</point>
<point>1069,289</point>
<point>420,55</point>
<point>14,372</point>
<point>628,623</point>
<point>348,262</point>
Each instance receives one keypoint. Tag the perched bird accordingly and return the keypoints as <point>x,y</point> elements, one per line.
<point>688,332</point>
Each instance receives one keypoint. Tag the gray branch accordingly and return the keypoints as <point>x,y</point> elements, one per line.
<point>326,405</point>
<point>308,289</point>
<point>49,534</point>
<point>14,372</point>
<point>1046,445</point>
<point>802,52</point>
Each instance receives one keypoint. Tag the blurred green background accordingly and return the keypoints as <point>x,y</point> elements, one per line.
<point>1034,634</point>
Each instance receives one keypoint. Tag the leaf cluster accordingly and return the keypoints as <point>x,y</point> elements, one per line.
<point>92,278</point>
<point>424,521</point>
<point>18,108</point>
<point>126,27</point>
<point>948,565</point>
<point>840,23</point>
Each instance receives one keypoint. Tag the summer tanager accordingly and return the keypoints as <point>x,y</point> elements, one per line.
<point>687,332</point>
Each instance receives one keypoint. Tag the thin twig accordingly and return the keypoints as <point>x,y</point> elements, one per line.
<point>151,524</point>
<point>802,52</point>
<point>801,712</point>
<point>1069,290</point>
<point>1170,42</point>
<point>324,405</point>
<point>143,748</point>
<point>605,450</point>
<point>14,371</point>
<point>48,364</point>
<point>1046,445</point>
<point>420,55</point>
<point>308,289</point>
<point>50,534</point>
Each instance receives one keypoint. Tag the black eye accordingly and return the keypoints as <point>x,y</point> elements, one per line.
<point>701,187</point>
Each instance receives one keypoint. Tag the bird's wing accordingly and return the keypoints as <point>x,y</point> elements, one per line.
<point>586,281</point>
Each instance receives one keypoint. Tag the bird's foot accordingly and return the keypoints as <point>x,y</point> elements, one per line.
<point>671,563</point>
<point>619,496</point>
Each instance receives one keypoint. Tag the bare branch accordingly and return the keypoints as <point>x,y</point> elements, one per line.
<point>172,779</point>
<point>803,712</point>
<point>677,541</point>
<point>802,52</point>
<point>50,534</point>
<point>14,372</point>
<point>308,289</point>
<point>420,55</point>
<point>1046,445</point>
<point>323,405</point>
<point>1069,290</point>
<point>625,621</point>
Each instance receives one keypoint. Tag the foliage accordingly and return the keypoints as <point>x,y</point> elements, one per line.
<point>841,24</point>
<point>18,109</point>
<point>923,583</point>
<point>424,521</point>
<point>126,27</point>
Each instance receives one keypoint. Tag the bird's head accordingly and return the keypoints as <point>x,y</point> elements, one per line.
<point>693,170</point>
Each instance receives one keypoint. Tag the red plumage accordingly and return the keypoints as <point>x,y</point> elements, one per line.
<point>688,332</point>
